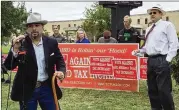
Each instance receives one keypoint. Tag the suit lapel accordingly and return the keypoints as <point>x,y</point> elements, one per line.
<point>46,49</point>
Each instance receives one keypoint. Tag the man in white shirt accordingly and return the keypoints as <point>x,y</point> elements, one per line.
<point>161,47</point>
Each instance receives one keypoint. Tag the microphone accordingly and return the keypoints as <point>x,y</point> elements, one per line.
<point>22,49</point>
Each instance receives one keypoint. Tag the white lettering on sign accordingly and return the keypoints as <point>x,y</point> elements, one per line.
<point>80,73</point>
<point>86,50</point>
<point>113,50</point>
<point>105,59</point>
<point>127,62</point>
<point>79,61</point>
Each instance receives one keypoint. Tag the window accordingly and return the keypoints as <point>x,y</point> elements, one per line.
<point>69,25</point>
<point>138,21</point>
<point>74,25</point>
<point>146,21</point>
<point>167,18</point>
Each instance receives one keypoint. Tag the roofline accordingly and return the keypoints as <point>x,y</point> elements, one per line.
<point>85,19</point>
<point>165,11</point>
<point>66,20</point>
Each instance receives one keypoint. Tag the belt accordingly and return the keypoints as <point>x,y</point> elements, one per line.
<point>40,83</point>
<point>154,56</point>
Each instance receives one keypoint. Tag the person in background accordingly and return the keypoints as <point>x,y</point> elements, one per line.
<point>81,37</point>
<point>128,34</point>
<point>57,35</point>
<point>107,38</point>
<point>161,46</point>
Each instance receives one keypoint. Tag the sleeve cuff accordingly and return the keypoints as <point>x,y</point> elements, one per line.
<point>142,50</point>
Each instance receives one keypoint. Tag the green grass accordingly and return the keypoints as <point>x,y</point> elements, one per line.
<point>87,99</point>
<point>5,49</point>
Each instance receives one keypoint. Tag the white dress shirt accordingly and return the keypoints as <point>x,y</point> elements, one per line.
<point>162,40</point>
<point>40,57</point>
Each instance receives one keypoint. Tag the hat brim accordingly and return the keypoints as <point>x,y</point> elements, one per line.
<point>44,22</point>
<point>162,11</point>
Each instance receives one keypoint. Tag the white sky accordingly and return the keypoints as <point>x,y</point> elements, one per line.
<point>55,11</point>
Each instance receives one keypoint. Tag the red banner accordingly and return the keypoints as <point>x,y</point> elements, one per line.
<point>143,67</point>
<point>100,66</point>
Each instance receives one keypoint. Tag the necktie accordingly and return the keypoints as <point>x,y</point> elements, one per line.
<point>148,35</point>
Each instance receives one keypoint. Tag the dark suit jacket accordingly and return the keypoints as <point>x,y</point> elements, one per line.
<point>135,34</point>
<point>28,77</point>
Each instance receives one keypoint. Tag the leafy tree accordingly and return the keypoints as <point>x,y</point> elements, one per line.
<point>12,18</point>
<point>97,20</point>
<point>175,68</point>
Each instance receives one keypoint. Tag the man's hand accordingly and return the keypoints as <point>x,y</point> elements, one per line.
<point>134,52</point>
<point>60,75</point>
<point>16,43</point>
<point>137,53</point>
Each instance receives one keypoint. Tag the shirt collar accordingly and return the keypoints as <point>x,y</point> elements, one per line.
<point>158,22</point>
<point>40,43</point>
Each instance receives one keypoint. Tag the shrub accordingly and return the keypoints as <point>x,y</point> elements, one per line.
<point>175,68</point>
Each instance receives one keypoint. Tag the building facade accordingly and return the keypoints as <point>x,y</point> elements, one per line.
<point>64,25</point>
<point>141,20</point>
<point>144,19</point>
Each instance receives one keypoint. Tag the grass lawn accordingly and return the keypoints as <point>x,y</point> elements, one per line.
<point>5,49</point>
<point>83,99</point>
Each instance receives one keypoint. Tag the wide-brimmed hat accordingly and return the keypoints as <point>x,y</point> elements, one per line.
<point>34,18</point>
<point>157,7</point>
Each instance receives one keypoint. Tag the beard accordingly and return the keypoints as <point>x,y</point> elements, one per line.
<point>35,35</point>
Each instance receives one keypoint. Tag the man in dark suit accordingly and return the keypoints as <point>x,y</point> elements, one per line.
<point>33,80</point>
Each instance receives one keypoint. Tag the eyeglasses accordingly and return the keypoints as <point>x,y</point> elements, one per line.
<point>152,13</point>
<point>125,21</point>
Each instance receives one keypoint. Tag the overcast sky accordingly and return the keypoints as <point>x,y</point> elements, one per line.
<point>55,11</point>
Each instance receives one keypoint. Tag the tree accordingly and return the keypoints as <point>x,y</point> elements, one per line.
<point>12,18</point>
<point>97,20</point>
<point>175,68</point>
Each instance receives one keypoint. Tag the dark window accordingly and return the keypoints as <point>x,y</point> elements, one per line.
<point>146,21</point>
<point>138,21</point>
